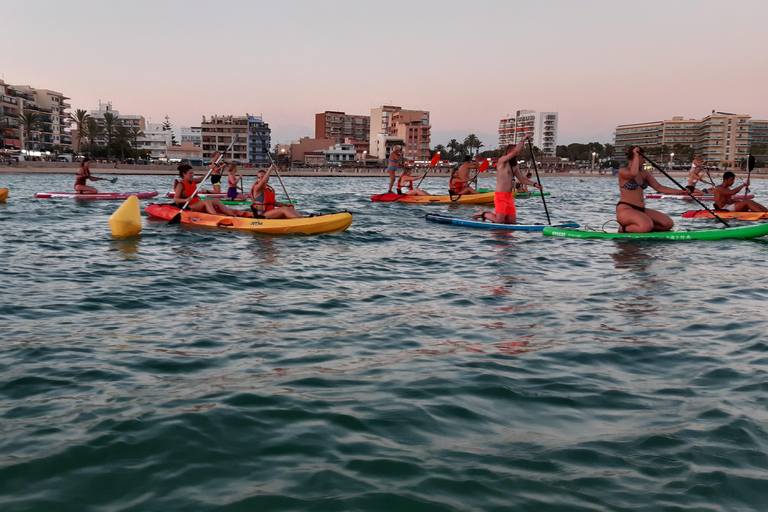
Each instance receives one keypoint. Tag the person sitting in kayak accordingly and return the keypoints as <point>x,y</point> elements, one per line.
<point>233,194</point>
<point>395,161</point>
<point>406,180</point>
<point>504,197</point>
<point>457,186</point>
<point>724,197</point>
<point>522,188</point>
<point>463,175</point>
<point>184,189</point>
<point>83,175</point>
<point>631,213</point>
<point>264,204</point>
<point>695,175</point>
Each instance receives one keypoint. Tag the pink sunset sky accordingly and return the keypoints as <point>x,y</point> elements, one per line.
<point>598,63</point>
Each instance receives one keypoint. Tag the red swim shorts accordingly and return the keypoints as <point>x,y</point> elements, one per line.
<point>505,203</point>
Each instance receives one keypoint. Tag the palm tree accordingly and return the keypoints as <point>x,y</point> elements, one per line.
<point>80,117</point>
<point>28,122</point>
<point>438,149</point>
<point>455,148</point>
<point>95,131</point>
<point>123,138</point>
<point>135,134</point>
<point>472,142</point>
<point>110,122</point>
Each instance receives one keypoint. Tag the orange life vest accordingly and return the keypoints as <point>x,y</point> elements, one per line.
<point>189,189</point>
<point>409,184</point>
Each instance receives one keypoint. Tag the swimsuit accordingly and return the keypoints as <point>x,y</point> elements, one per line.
<point>215,179</point>
<point>400,185</point>
<point>232,190</point>
<point>638,208</point>
<point>631,184</point>
<point>504,203</point>
<point>267,200</point>
<point>690,188</point>
<point>726,208</point>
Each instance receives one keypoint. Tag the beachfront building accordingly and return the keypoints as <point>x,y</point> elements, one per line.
<point>340,154</point>
<point>155,140</point>
<point>758,136</point>
<point>51,133</point>
<point>542,125</point>
<point>259,140</point>
<point>721,138</point>
<point>131,121</point>
<point>217,133</point>
<point>306,146</point>
<point>340,126</point>
<point>392,125</point>
<point>193,135</point>
<point>185,151</point>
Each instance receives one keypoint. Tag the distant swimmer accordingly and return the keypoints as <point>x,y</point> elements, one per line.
<point>724,197</point>
<point>233,194</point>
<point>631,213</point>
<point>395,162</point>
<point>504,197</point>
<point>464,176</point>
<point>695,175</point>
<point>184,190</point>
<point>406,181</point>
<point>263,197</point>
<point>83,175</point>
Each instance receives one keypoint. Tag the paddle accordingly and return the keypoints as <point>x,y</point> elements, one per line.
<point>432,163</point>
<point>177,218</point>
<point>535,168</point>
<point>112,180</point>
<point>276,170</point>
<point>683,188</point>
<point>750,166</point>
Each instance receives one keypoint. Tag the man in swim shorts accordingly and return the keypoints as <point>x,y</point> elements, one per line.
<point>724,197</point>
<point>504,197</point>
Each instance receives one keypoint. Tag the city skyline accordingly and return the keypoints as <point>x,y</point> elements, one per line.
<point>598,63</point>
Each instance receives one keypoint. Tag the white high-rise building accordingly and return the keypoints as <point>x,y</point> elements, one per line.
<point>542,125</point>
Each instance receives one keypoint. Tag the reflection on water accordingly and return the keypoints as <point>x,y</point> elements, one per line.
<point>128,246</point>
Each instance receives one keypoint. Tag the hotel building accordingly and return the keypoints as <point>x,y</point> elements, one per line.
<point>542,125</point>
<point>721,138</point>
<point>340,126</point>
<point>193,135</point>
<point>52,131</point>
<point>259,140</point>
<point>391,125</point>
<point>218,131</point>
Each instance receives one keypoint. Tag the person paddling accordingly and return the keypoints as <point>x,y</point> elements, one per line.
<point>395,161</point>
<point>83,175</point>
<point>724,197</point>
<point>457,186</point>
<point>464,178</point>
<point>695,175</point>
<point>406,180</point>
<point>184,189</point>
<point>216,173</point>
<point>233,194</point>
<point>504,197</point>
<point>631,213</point>
<point>264,204</point>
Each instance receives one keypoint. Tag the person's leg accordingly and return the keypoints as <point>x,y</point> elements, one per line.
<point>283,212</point>
<point>391,178</point>
<point>85,189</point>
<point>633,221</point>
<point>661,221</point>
<point>217,205</point>
<point>749,206</point>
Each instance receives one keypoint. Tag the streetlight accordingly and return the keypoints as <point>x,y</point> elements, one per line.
<point>671,160</point>
<point>365,157</point>
<point>593,161</point>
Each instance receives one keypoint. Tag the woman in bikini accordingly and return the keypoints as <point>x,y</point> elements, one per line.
<point>264,204</point>
<point>406,181</point>
<point>83,175</point>
<point>184,189</point>
<point>216,173</point>
<point>233,194</point>
<point>631,213</point>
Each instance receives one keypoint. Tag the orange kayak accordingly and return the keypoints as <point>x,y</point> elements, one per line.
<point>704,214</point>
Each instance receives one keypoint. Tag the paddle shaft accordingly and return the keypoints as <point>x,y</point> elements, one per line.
<point>269,155</point>
<point>662,171</point>
<point>431,165</point>
<point>541,189</point>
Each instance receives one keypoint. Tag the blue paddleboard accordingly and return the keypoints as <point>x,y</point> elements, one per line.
<point>442,219</point>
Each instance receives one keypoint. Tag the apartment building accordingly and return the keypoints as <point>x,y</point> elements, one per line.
<point>259,140</point>
<point>758,134</point>
<point>52,131</point>
<point>218,131</point>
<point>155,141</point>
<point>193,135</point>
<point>393,125</point>
<point>128,120</point>
<point>340,126</point>
<point>720,137</point>
<point>542,125</point>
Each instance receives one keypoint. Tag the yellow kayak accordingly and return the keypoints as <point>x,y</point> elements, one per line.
<point>330,223</point>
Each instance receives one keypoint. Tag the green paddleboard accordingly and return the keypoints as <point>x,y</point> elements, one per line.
<point>519,194</point>
<point>235,203</point>
<point>706,234</point>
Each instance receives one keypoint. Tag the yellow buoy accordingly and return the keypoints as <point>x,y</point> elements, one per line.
<point>3,194</point>
<point>126,221</point>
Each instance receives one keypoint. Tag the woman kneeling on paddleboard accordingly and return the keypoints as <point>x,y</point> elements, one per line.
<point>631,213</point>
<point>185,188</point>
<point>264,204</point>
<point>84,174</point>
<point>406,180</point>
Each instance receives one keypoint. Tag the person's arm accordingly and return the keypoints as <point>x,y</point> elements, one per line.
<point>734,191</point>
<point>178,193</point>
<point>661,189</point>
<point>525,181</point>
<point>515,151</point>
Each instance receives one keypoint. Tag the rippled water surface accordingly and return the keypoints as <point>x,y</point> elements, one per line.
<point>400,365</point>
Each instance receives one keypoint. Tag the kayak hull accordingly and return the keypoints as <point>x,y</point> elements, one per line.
<point>486,198</point>
<point>442,219</point>
<point>100,196</point>
<point>3,194</point>
<point>306,226</point>
<point>707,234</point>
<point>704,214</point>
<point>521,194</point>
<point>705,197</point>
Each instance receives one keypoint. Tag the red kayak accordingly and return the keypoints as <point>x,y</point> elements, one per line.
<point>100,195</point>
<point>686,197</point>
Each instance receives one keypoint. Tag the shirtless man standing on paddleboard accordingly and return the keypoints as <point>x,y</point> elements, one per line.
<point>504,197</point>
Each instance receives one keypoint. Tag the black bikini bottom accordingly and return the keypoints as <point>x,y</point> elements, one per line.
<point>631,206</point>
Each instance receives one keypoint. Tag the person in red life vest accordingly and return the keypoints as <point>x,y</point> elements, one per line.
<point>504,197</point>
<point>264,204</point>
<point>464,175</point>
<point>185,188</point>
<point>406,181</point>
<point>458,186</point>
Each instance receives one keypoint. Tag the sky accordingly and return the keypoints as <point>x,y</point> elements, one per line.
<point>598,63</point>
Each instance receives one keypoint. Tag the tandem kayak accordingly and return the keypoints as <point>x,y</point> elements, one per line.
<point>330,223</point>
<point>706,214</point>
<point>686,197</point>
<point>705,234</point>
<point>486,198</point>
<point>100,195</point>
<point>442,219</point>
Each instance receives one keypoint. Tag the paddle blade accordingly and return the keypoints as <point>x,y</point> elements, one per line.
<point>113,180</point>
<point>484,165</point>
<point>751,162</point>
<point>435,159</point>
<point>176,218</point>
